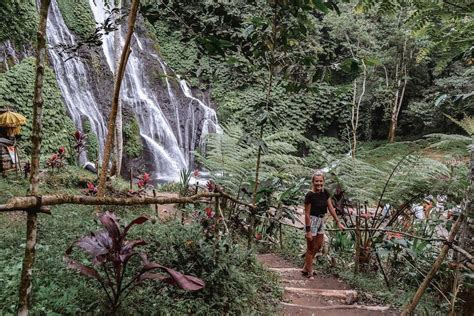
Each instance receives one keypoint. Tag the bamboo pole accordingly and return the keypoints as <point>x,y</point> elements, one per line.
<point>25,292</point>
<point>30,202</point>
<point>410,308</point>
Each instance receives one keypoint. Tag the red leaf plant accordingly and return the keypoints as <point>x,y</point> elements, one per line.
<point>91,189</point>
<point>211,186</point>
<point>143,180</point>
<point>56,160</point>
<point>80,140</point>
<point>110,255</point>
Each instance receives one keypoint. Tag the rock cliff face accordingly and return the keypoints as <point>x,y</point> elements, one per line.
<point>172,122</point>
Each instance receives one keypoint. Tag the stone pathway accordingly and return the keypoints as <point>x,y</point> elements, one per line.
<point>325,295</point>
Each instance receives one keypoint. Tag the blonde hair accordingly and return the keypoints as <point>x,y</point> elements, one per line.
<point>317,173</point>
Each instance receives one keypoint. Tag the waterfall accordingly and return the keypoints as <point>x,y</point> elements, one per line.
<point>172,121</point>
<point>73,80</point>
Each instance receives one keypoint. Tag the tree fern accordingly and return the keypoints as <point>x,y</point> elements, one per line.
<point>231,158</point>
<point>467,123</point>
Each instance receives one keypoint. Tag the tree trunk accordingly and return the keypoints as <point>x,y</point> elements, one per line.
<point>400,92</point>
<point>410,308</point>
<point>118,134</point>
<point>132,17</point>
<point>468,240</point>
<point>25,292</point>
<point>356,109</point>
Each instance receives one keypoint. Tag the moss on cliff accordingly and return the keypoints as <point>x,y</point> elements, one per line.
<point>16,90</point>
<point>92,142</point>
<point>133,145</point>
<point>78,16</point>
<point>18,20</point>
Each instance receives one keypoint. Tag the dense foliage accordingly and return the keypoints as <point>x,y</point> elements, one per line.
<point>19,21</point>
<point>341,41</point>
<point>16,91</point>
<point>78,16</point>
<point>235,282</point>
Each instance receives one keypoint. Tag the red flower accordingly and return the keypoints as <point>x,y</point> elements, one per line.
<point>209,212</point>
<point>258,236</point>
<point>196,173</point>
<point>61,150</point>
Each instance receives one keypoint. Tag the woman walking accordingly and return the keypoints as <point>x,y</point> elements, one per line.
<point>316,203</point>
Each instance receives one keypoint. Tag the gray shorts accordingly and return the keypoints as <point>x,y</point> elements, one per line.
<point>317,225</point>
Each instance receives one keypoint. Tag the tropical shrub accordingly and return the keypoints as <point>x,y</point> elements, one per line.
<point>111,253</point>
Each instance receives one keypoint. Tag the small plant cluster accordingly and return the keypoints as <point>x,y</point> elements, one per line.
<point>80,141</point>
<point>144,182</point>
<point>57,159</point>
<point>110,260</point>
<point>210,223</point>
<point>91,189</point>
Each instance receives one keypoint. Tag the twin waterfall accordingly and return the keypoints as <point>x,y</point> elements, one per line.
<point>172,121</point>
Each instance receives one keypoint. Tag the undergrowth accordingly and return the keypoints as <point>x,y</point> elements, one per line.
<point>235,282</point>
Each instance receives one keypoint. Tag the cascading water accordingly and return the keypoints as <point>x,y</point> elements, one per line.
<point>73,79</point>
<point>171,126</point>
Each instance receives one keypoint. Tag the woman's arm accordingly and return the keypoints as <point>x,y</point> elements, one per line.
<point>307,221</point>
<point>332,210</point>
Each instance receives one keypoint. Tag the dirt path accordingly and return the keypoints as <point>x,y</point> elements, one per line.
<point>165,211</point>
<point>325,295</point>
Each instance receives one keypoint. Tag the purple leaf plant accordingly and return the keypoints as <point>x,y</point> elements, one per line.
<point>110,254</point>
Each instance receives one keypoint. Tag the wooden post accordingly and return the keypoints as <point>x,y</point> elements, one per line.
<point>410,308</point>
<point>156,205</point>
<point>281,237</point>
<point>25,293</point>
<point>131,178</point>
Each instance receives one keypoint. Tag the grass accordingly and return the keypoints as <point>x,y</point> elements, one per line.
<point>236,283</point>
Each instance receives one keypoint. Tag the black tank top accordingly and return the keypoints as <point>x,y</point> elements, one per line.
<point>318,201</point>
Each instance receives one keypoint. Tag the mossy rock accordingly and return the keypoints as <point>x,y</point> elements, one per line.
<point>16,90</point>
<point>131,133</point>
<point>78,16</point>
<point>19,21</point>
<point>92,143</point>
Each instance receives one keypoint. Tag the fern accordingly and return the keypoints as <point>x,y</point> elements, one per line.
<point>231,159</point>
<point>467,123</point>
<point>364,182</point>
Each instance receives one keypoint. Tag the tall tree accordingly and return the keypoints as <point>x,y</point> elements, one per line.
<point>119,73</point>
<point>400,80</point>
<point>119,123</point>
<point>25,294</point>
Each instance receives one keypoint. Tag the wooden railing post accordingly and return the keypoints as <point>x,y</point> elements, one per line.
<point>410,308</point>
<point>25,292</point>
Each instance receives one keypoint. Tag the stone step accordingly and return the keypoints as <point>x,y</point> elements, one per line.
<point>335,307</point>
<point>283,270</point>
<point>350,296</point>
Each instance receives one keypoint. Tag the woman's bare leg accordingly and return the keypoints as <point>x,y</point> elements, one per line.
<point>308,259</point>
<point>319,239</point>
